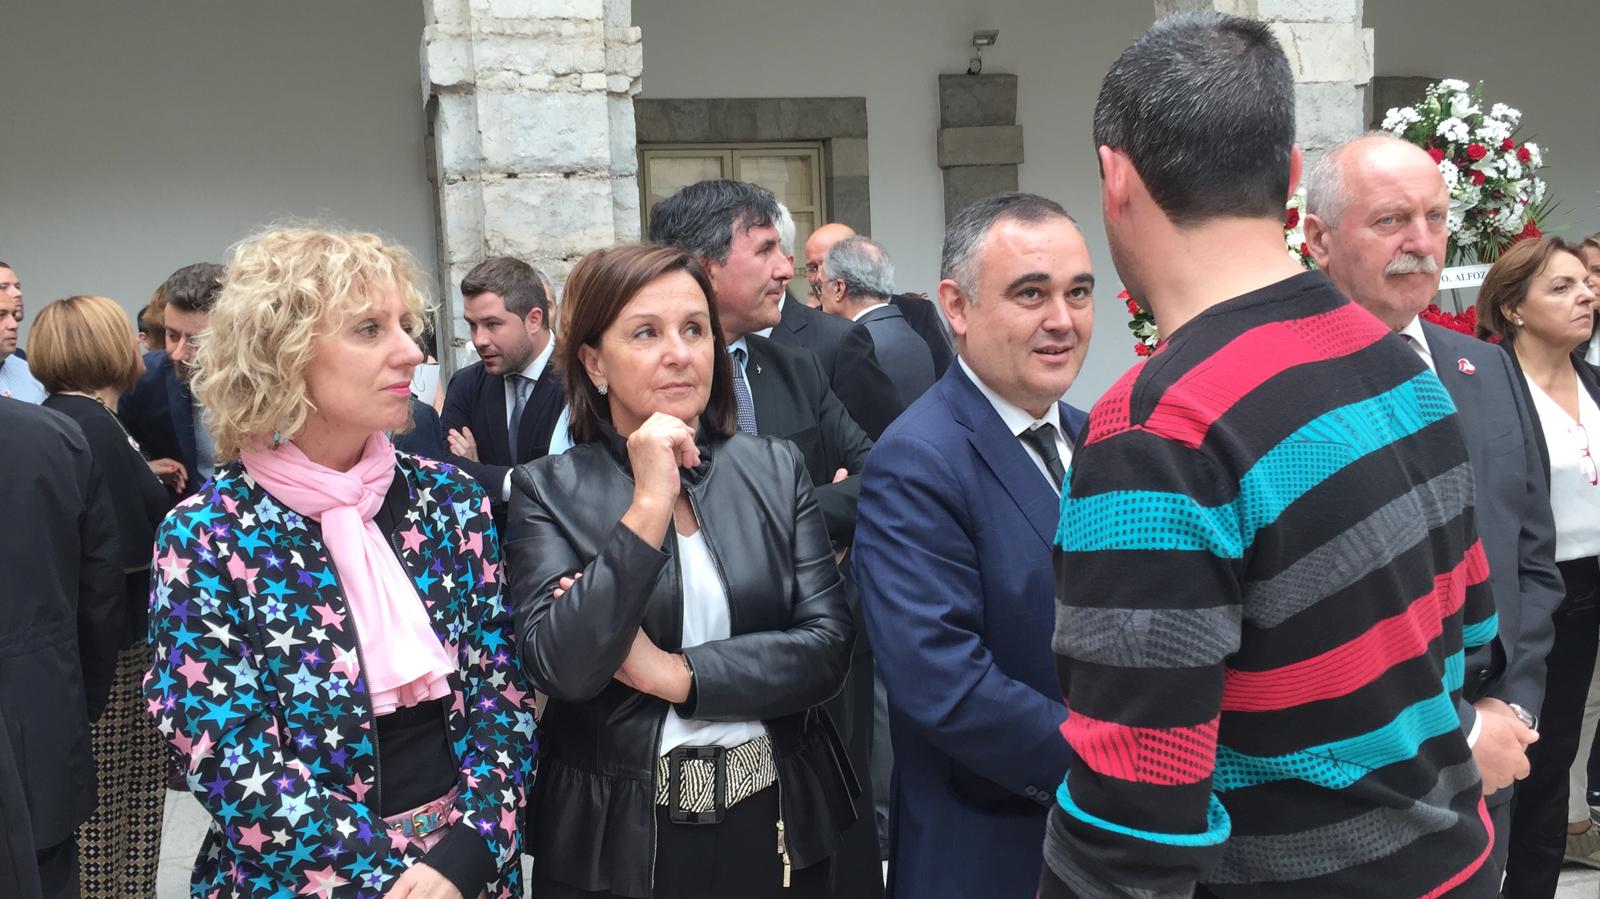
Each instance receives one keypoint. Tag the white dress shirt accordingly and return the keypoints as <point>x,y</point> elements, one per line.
<point>1018,420</point>
<point>857,316</point>
<point>1413,335</point>
<point>1574,452</point>
<point>532,373</point>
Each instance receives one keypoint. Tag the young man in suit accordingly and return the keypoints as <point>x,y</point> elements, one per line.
<point>782,391</point>
<point>957,514</point>
<point>160,412</point>
<point>919,311</point>
<point>857,280</point>
<point>1375,222</point>
<point>499,412</point>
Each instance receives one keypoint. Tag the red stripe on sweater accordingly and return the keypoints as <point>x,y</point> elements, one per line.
<point>1162,756</point>
<point>1357,663</point>
<point>1465,874</point>
<point>1208,390</point>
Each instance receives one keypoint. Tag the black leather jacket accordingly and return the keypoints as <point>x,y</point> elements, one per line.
<point>592,818</point>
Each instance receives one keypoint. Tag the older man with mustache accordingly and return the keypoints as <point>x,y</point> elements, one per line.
<point>1376,223</point>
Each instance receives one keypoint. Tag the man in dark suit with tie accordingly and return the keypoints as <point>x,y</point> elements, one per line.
<point>160,412</point>
<point>499,412</point>
<point>782,391</point>
<point>857,282</point>
<point>1376,208</point>
<point>919,312</point>
<point>958,512</point>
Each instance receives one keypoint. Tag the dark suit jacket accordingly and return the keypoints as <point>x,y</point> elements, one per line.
<point>159,413</point>
<point>477,399</point>
<point>900,351</point>
<point>923,316</point>
<point>426,437</point>
<point>793,401</point>
<point>1512,508</point>
<point>63,621</point>
<point>847,362</point>
<point>953,558</point>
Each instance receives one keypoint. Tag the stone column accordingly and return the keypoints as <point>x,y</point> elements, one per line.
<point>1329,52</point>
<point>980,142</point>
<point>532,138</point>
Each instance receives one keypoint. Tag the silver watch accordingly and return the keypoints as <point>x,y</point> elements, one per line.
<point>1529,719</point>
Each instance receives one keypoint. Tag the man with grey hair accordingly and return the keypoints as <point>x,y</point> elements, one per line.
<point>856,282</point>
<point>958,508</point>
<point>1375,222</point>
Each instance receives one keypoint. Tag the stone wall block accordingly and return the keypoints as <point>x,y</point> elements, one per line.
<point>546,217</point>
<point>461,221</point>
<point>539,9</point>
<point>848,157</point>
<point>1347,11</point>
<point>969,101</point>
<point>446,12</point>
<point>534,132</point>
<point>986,145</point>
<point>967,184</point>
<point>583,52</point>
<point>624,55</point>
<point>625,213</point>
<point>1324,52</point>
<point>623,136</point>
<point>1326,114</point>
<point>446,60</point>
<point>456,136</point>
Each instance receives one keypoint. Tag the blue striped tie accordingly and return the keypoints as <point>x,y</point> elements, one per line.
<point>745,406</point>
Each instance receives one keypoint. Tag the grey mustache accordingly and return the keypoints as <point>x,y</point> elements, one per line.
<point>1411,264</point>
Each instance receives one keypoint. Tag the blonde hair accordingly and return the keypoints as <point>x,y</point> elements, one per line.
<point>83,343</point>
<point>283,289</point>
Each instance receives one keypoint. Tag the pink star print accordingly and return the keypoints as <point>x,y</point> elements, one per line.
<point>412,538</point>
<point>193,671</point>
<point>329,617</point>
<point>253,837</point>
<point>473,543</point>
<point>174,568</point>
<point>322,882</point>
<point>238,571</point>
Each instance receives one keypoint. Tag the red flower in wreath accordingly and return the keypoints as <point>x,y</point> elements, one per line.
<point>1436,153</point>
<point>1476,152</point>
<point>1140,349</point>
<point>1508,144</point>
<point>1292,219</point>
<point>1479,178</point>
<point>1523,156</point>
<point>1530,232</point>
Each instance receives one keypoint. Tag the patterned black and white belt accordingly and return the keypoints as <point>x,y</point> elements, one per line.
<point>698,784</point>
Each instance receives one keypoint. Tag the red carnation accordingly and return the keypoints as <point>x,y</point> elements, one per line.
<point>1292,219</point>
<point>1476,152</point>
<point>1508,144</point>
<point>1531,232</point>
<point>1140,349</point>
<point>1436,153</point>
<point>1478,177</point>
<point>1305,250</point>
<point>1523,156</point>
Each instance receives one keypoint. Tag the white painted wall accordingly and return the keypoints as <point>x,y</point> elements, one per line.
<point>139,137</point>
<point>892,52</point>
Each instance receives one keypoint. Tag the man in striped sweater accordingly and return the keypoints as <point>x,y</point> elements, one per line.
<point>1268,566</point>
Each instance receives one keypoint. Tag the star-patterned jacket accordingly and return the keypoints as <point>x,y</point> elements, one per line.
<point>257,681</point>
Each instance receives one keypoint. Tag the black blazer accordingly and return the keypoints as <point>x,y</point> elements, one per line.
<point>138,498</point>
<point>159,413</point>
<point>1588,377</point>
<point>63,621</point>
<point>477,399</point>
<point>847,361</point>
<point>793,401</point>
<point>923,316</point>
<point>901,351</point>
<point>426,437</point>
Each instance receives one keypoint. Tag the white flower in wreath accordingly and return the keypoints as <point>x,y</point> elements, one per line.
<point>1454,85</point>
<point>1453,130</point>
<point>1505,113</point>
<point>1538,190</point>
<point>1535,157</point>
<point>1492,132</point>
<point>1461,106</point>
<point>1399,118</point>
<point>1513,168</point>
<point>1450,173</point>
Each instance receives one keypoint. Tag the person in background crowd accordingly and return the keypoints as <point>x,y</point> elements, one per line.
<point>1268,568</point>
<point>958,511</point>
<point>1590,250</point>
<point>1375,222</point>
<point>332,654</point>
<point>919,311</point>
<point>16,381</point>
<point>731,229</point>
<point>161,412</point>
<point>501,410</point>
<point>85,354</point>
<point>425,384</point>
<point>555,302</point>
<point>857,282</point>
<point>59,637</point>
<point>11,286</point>
<point>845,352</point>
<point>152,332</point>
<point>1534,299</point>
<point>677,598</point>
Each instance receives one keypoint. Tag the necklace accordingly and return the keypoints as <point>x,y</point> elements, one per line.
<point>120,426</point>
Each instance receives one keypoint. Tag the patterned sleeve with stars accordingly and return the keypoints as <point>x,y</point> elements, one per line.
<point>256,680</point>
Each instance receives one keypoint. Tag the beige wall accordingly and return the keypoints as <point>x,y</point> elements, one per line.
<point>139,137</point>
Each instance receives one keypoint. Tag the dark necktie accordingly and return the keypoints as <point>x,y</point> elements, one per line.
<point>519,389</point>
<point>1043,439</point>
<point>745,407</point>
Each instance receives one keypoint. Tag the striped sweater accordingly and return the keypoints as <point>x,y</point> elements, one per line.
<point>1268,572</point>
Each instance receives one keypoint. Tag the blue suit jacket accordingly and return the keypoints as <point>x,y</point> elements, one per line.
<point>159,413</point>
<point>953,559</point>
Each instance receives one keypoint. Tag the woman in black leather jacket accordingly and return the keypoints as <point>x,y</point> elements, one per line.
<point>676,597</point>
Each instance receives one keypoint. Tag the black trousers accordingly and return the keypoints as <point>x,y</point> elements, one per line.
<point>1539,811</point>
<point>737,858</point>
<point>58,870</point>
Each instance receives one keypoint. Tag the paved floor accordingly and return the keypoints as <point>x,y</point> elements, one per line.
<point>186,823</point>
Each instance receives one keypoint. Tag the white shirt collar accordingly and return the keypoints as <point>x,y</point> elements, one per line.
<point>765,332</point>
<point>857,316</point>
<point>1419,339</point>
<point>1016,418</point>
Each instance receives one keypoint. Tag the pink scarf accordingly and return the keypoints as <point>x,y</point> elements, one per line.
<point>405,664</point>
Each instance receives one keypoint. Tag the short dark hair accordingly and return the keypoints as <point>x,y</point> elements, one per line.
<point>599,288</point>
<point>515,281</point>
<point>1203,106</point>
<point>703,217</point>
<point>138,319</point>
<point>966,232</point>
<point>1507,282</point>
<point>194,288</point>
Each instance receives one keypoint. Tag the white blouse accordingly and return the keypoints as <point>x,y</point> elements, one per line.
<point>1574,469</point>
<point>705,618</point>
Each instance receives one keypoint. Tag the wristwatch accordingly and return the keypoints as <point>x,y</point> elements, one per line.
<point>1529,719</point>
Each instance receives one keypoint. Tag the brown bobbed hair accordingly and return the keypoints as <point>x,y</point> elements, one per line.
<point>599,288</point>
<point>83,343</point>
<point>1506,285</point>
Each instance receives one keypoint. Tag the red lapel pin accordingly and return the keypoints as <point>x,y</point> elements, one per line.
<point>1466,366</point>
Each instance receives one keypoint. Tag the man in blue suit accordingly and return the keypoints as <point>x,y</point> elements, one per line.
<point>957,514</point>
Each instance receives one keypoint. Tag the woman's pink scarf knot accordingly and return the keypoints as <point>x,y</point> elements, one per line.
<point>403,660</point>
